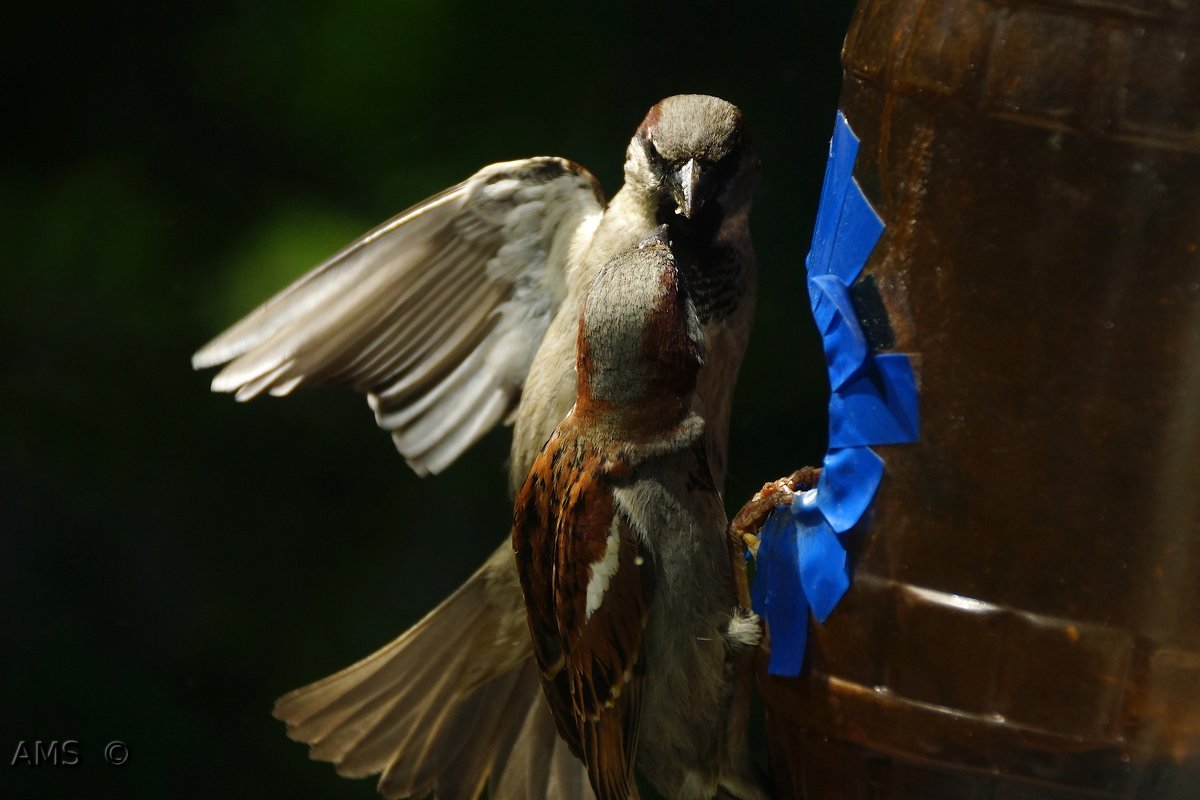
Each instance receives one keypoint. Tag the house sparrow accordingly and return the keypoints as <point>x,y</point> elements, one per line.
<point>620,539</point>
<point>456,315</point>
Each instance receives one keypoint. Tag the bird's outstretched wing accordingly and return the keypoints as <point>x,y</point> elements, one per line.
<point>435,314</point>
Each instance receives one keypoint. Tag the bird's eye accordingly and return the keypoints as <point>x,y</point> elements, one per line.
<point>655,156</point>
<point>724,168</point>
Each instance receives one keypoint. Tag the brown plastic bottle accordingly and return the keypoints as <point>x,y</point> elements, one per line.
<point>1024,617</point>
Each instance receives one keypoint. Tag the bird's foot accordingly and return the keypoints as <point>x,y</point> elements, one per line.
<point>749,522</point>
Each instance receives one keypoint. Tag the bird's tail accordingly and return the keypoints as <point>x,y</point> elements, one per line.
<point>453,705</point>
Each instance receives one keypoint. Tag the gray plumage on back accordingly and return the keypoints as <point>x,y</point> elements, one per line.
<point>455,316</point>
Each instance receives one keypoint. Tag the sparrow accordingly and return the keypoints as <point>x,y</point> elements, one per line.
<point>454,316</point>
<point>619,533</point>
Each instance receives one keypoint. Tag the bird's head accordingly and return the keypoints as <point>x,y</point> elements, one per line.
<point>692,156</point>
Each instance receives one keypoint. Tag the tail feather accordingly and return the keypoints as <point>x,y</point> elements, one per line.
<point>538,765</point>
<point>399,732</point>
<point>462,743</point>
<point>362,738</point>
<point>568,778</point>
<point>526,770</point>
<point>452,705</point>
<point>339,715</point>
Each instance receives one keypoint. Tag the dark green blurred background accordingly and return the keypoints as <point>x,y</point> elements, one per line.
<point>171,561</point>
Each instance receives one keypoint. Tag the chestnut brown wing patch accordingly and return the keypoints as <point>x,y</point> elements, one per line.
<point>588,584</point>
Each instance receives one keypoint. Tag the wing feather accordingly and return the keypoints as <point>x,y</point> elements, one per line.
<point>435,314</point>
<point>415,309</point>
<point>588,583</point>
<point>309,291</point>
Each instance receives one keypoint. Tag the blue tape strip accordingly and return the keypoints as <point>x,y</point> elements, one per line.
<point>860,229</point>
<point>849,478</point>
<point>845,343</point>
<point>873,400</point>
<point>802,566</point>
<point>778,596</point>
<point>847,227</point>
<point>900,392</point>
<point>822,559</point>
<point>823,570</point>
<point>877,406</point>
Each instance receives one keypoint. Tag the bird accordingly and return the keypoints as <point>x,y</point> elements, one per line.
<point>620,536</point>
<point>456,316</point>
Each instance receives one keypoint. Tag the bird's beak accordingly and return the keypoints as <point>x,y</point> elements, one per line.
<point>687,186</point>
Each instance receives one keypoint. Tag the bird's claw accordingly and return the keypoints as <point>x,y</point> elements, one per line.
<point>748,522</point>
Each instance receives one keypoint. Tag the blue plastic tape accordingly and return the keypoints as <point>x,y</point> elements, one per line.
<point>845,343</point>
<point>778,596</point>
<point>876,406</point>
<point>849,478</point>
<point>801,562</point>
<point>822,559</point>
